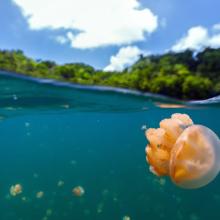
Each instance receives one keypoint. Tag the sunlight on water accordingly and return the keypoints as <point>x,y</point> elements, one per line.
<point>69,153</point>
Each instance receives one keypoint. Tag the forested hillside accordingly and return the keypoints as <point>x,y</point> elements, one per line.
<point>181,75</point>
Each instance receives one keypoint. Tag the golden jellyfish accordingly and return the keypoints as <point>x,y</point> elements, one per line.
<point>39,194</point>
<point>78,191</point>
<point>188,153</point>
<point>126,217</point>
<point>15,189</point>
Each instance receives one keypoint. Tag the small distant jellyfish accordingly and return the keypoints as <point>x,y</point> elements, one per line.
<point>100,208</point>
<point>60,183</point>
<point>49,212</point>
<point>24,199</point>
<point>39,194</point>
<point>78,191</point>
<point>162,105</point>
<point>105,192</point>
<point>144,127</point>
<point>162,181</point>
<point>27,124</point>
<point>126,217</point>
<point>15,97</point>
<point>66,106</point>
<point>35,175</point>
<point>2,117</point>
<point>15,189</point>
<point>188,153</point>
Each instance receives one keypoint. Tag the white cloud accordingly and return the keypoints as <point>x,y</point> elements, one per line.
<point>126,56</point>
<point>197,38</point>
<point>214,41</point>
<point>216,27</point>
<point>61,39</point>
<point>97,22</point>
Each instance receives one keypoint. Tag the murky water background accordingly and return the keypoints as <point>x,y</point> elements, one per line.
<point>91,139</point>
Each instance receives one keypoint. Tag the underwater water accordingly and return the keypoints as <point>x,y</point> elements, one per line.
<point>56,137</point>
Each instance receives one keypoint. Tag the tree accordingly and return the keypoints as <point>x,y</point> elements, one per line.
<point>197,87</point>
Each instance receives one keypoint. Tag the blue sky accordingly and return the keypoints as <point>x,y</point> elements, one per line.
<point>107,34</point>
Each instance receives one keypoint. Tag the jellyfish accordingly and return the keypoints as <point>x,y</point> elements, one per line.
<point>60,183</point>
<point>188,153</point>
<point>162,105</point>
<point>78,191</point>
<point>100,208</point>
<point>15,189</point>
<point>126,217</point>
<point>24,199</point>
<point>39,194</point>
<point>49,212</point>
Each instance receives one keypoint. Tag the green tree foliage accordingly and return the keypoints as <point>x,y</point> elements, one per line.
<point>209,63</point>
<point>197,87</point>
<point>181,75</point>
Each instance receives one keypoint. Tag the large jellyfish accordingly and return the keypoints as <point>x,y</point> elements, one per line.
<point>188,153</point>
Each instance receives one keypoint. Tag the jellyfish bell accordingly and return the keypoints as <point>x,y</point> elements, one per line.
<point>188,153</point>
<point>39,194</point>
<point>126,217</point>
<point>195,157</point>
<point>78,191</point>
<point>15,189</point>
<point>60,183</point>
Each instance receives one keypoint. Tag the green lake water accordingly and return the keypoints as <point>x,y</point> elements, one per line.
<point>95,139</point>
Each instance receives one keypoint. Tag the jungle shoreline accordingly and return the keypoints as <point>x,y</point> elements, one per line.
<point>179,76</point>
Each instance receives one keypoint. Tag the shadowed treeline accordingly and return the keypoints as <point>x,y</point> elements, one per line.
<point>180,75</point>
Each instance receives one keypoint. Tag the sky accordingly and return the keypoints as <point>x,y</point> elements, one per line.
<point>107,34</point>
